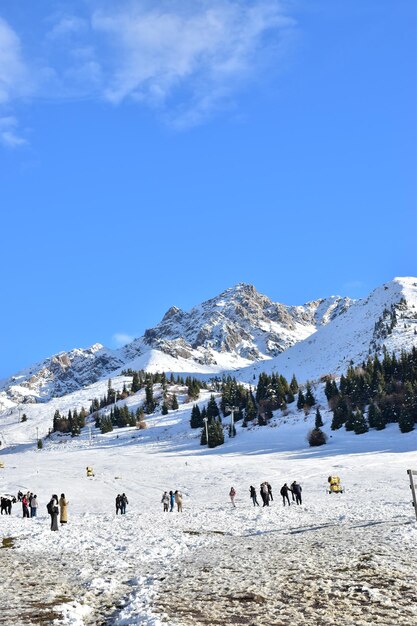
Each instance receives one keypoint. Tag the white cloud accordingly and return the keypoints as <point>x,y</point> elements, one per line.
<point>184,58</point>
<point>121,339</point>
<point>187,57</point>
<point>68,25</point>
<point>9,133</point>
<point>14,77</point>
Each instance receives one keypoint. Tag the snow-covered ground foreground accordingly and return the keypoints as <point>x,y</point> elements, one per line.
<point>346,559</point>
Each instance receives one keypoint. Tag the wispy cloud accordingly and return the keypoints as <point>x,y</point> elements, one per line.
<point>121,339</point>
<point>9,132</point>
<point>14,75</point>
<point>187,58</point>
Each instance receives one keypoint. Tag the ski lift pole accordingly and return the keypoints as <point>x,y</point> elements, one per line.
<point>411,474</point>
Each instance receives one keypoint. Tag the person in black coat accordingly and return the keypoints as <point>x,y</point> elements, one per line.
<point>123,503</point>
<point>284,492</point>
<point>252,491</point>
<point>269,491</point>
<point>53,511</point>
<point>296,490</point>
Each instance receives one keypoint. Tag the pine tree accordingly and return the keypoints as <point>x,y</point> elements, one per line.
<point>316,437</point>
<point>340,414</point>
<point>164,409</point>
<point>196,420</point>
<point>174,403</point>
<point>294,384</point>
<point>149,402</point>
<point>212,410</point>
<point>406,421</point>
<point>301,400</point>
<point>135,382</point>
<point>309,398</point>
<point>359,425</point>
<point>319,421</point>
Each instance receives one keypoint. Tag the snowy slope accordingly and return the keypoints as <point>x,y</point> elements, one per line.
<point>157,569</point>
<point>364,329</point>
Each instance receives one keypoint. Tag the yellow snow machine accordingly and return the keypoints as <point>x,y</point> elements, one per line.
<point>334,484</point>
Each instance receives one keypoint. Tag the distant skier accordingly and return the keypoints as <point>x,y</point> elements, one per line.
<point>63,512</point>
<point>296,491</point>
<point>252,491</point>
<point>123,503</point>
<point>178,500</point>
<point>165,501</point>
<point>284,492</point>
<point>52,508</point>
<point>232,494</point>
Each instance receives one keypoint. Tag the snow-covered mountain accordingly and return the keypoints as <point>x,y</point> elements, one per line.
<point>230,331</point>
<point>237,327</point>
<point>240,330</point>
<point>386,319</point>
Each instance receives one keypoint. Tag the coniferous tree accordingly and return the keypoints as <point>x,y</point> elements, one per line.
<point>164,409</point>
<point>309,398</point>
<point>135,382</point>
<point>359,424</point>
<point>196,420</point>
<point>174,402</point>
<point>212,410</point>
<point>316,437</point>
<point>340,414</point>
<point>149,402</point>
<point>318,421</point>
<point>301,400</point>
<point>406,421</point>
<point>294,385</point>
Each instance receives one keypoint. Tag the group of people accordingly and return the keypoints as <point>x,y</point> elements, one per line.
<point>29,503</point>
<point>57,507</point>
<point>170,499</point>
<point>121,503</point>
<point>266,494</point>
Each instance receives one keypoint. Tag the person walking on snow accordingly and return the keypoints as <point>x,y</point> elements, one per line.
<point>232,495</point>
<point>269,491</point>
<point>171,501</point>
<point>165,501</point>
<point>178,500</point>
<point>118,503</point>
<point>296,490</point>
<point>123,502</point>
<point>284,492</point>
<point>63,512</point>
<point>252,491</point>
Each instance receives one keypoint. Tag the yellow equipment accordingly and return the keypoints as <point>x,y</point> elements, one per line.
<point>89,472</point>
<point>1,465</point>
<point>334,484</point>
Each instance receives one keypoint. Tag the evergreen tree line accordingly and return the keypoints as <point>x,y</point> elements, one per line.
<point>386,389</point>
<point>71,423</point>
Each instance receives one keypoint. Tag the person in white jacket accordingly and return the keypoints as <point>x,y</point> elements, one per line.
<point>165,501</point>
<point>232,494</point>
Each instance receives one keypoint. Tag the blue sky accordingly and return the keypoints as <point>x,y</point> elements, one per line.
<point>156,153</point>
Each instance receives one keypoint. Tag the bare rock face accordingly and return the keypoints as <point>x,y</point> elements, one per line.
<point>239,322</point>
